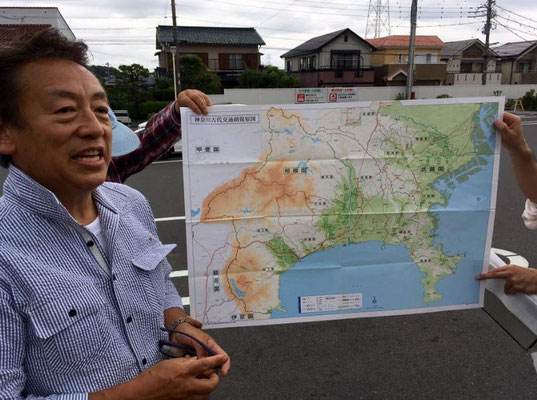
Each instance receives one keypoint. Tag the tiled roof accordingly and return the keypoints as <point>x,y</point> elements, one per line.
<point>404,40</point>
<point>210,35</point>
<point>9,33</point>
<point>316,43</point>
<point>513,49</point>
<point>29,7</point>
<point>453,48</point>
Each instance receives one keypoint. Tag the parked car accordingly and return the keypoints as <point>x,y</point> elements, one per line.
<point>123,116</point>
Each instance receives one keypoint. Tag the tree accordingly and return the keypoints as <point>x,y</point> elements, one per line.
<point>194,75</point>
<point>133,74</point>
<point>270,77</point>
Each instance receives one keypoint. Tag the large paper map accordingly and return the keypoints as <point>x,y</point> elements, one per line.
<point>306,212</point>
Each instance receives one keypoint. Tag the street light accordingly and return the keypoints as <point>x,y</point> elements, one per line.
<point>173,50</point>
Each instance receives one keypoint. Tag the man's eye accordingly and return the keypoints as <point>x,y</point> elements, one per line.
<point>102,110</point>
<point>65,110</point>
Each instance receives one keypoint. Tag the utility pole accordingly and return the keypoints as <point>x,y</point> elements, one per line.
<point>175,56</point>
<point>411,46</point>
<point>486,31</point>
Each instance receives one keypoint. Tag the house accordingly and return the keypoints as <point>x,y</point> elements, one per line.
<point>225,51</point>
<point>33,16</point>
<point>340,58</point>
<point>465,60</point>
<point>390,60</point>
<point>518,62</point>
<point>9,33</point>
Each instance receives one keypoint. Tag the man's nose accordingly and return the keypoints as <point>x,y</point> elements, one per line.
<point>91,124</point>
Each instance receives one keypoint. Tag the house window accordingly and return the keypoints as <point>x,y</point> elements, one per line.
<point>313,62</point>
<point>288,66</point>
<point>235,61</point>
<point>346,38</point>
<point>345,60</point>
<point>399,58</point>
<point>428,58</point>
<point>304,63</point>
<point>521,67</point>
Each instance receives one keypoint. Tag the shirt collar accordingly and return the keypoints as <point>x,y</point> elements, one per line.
<point>28,194</point>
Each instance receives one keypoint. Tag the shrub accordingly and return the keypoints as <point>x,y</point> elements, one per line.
<point>443,96</point>
<point>510,104</point>
<point>529,100</point>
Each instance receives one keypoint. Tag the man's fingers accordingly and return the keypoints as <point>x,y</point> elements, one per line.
<point>511,119</point>
<point>195,100</point>
<point>206,384</point>
<point>190,103</point>
<point>218,350</point>
<point>202,385</point>
<point>498,273</point>
<point>196,367</point>
<point>509,288</point>
<point>501,126</point>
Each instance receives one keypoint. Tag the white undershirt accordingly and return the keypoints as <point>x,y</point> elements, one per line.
<point>95,228</point>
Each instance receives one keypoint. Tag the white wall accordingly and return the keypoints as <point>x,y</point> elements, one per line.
<point>287,96</point>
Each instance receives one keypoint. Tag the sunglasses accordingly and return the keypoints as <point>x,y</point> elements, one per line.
<point>175,350</point>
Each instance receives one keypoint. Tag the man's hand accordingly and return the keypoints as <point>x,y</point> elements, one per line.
<point>520,154</point>
<point>173,379</point>
<point>511,131</point>
<point>203,337</point>
<point>195,100</point>
<point>517,279</point>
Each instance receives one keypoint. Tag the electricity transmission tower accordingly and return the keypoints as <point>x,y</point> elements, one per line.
<point>378,19</point>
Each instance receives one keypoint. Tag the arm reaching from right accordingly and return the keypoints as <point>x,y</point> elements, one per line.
<point>517,279</point>
<point>522,158</point>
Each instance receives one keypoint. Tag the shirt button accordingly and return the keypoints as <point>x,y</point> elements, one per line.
<point>144,361</point>
<point>90,243</point>
<point>72,313</point>
<point>129,320</point>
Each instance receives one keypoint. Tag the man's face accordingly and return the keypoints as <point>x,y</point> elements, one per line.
<point>64,142</point>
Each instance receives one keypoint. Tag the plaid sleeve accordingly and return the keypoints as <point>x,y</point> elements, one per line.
<point>162,131</point>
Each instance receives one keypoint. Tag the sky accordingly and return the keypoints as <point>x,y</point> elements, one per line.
<point>123,31</point>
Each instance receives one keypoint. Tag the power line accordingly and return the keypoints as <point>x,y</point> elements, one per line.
<point>316,12</point>
<point>509,20</point>
<point>514,33</point>
<point>514,13</point>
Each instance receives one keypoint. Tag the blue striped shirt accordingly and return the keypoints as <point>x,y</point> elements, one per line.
<point>74,320</point>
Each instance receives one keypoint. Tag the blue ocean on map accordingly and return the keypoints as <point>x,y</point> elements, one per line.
<point>395,284</point>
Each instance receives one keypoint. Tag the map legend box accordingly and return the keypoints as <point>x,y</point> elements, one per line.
<point>334,302</point>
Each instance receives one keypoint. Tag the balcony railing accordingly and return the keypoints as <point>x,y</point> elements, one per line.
<point>475,77</point>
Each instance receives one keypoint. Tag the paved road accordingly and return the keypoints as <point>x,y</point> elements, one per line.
<point>462,354</point>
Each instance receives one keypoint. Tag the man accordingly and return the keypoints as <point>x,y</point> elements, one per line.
<point>84,282</point>
<point>518,279</point>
